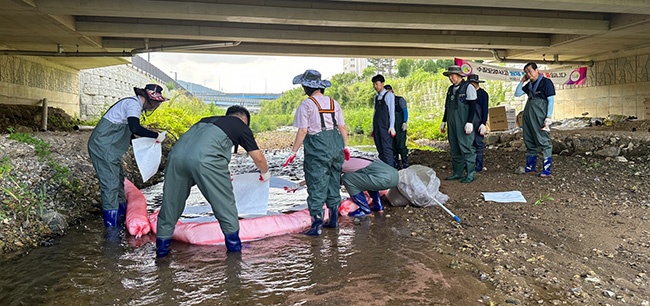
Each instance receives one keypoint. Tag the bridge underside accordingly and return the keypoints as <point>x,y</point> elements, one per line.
<point>94,33</point>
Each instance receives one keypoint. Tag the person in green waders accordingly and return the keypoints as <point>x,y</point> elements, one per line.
<point>460,107</point>
<point>537,117</point>
<point>109,141</point>
<point>321,128</point>
<point>200,157</point>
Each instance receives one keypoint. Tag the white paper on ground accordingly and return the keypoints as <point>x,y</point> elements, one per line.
<point>504,197</point>
<point>147,155</point>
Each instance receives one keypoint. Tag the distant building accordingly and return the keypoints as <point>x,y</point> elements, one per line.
<point>355,65</point>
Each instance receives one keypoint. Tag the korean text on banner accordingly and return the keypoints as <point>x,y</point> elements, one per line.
<point>565,76</point>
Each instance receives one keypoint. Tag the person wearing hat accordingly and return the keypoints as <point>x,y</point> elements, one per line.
<point>109,141</point>
<point>458,118</point>
<point>537,117</point>
<point>321,128</point>
<point>399,141</point>
<point>200,157</point>
<point>480,118</point>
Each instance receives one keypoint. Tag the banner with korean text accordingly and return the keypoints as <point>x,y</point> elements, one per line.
<point>566,76</point>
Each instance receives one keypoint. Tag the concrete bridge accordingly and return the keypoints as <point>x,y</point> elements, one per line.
<point>43,44</point>
<point>249,100</point>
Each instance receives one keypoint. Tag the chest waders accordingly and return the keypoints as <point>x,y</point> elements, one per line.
<point>380,126</point>
<point>463,156</point>
<point>373,178</point>
<point>322,166</point>
<point>399,141</point>
<point>106,146</point>
<point>479,145</point>
<point>534,138</point>
<point>200,157</point>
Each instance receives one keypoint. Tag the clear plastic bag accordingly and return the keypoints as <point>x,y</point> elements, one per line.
<point>420,186</point>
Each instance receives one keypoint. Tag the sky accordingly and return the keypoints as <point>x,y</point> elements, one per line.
<point>242,73</point>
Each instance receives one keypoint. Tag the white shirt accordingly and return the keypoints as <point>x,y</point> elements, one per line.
<point>123,109</point>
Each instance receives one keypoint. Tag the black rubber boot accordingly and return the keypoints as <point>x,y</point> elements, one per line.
<point>364,208</point>
<point>333,221</point>
<point>233,243</point>
<point>316,225</point>
<point>121,214</point>
<point>376,201</point>
<point>162,247</point>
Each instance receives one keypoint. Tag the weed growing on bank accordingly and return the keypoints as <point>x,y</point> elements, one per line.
<point>27,201</point>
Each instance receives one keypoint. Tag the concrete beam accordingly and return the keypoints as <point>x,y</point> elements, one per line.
<point>604,6</point>
<point>251,48</point>
<point>353,16</point>
<point>313,35</point>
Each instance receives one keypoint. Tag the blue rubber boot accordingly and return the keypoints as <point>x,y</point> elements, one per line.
<point>333,221</point>
<point>233,243</point>
<point>376,201</point>
<point>316,225</point>
<point>364,208</point>
<point>121,214</point>
<point>162,246</point>
<point>110,222</point>
<point>546,172</point>
<point>531,163</point>
<point>479,163</point>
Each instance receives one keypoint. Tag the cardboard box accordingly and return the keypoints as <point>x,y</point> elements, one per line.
<point>501,118</point>
<point>497,119</point>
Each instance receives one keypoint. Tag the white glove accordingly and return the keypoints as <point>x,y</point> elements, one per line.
<point>547,125</point>
<point>469,128</point>
<point>442,127</point>
<point>161,137</point>
<point>265,176</point>
<point>482,129</point>
<point>404,125</point>
<point>392,132</point>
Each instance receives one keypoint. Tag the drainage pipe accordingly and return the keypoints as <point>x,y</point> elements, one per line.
<point>44,115</point>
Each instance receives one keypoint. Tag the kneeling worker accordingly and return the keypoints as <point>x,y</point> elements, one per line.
<point>358,175</point>
<point>201,156</point>
<point>361,174</point>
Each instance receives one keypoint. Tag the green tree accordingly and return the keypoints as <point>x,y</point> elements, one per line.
<point>384,65</point>
<point>404,67</point>
<point>368,72</point>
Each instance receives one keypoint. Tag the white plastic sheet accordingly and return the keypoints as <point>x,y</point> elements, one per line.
<point>147,155</point>
<point>251,195</point>
<point>505,197</point>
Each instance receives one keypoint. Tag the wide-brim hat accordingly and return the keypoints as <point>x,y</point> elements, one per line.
<point>311,78</point>
<point>453,70</point>
<point>154,91</point>
<point>474,78</point>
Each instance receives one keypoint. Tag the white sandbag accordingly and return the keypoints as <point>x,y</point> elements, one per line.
<point>420,186</point>
<point>147,156</point>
